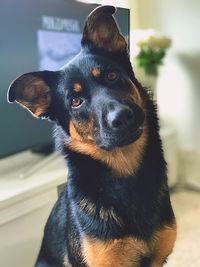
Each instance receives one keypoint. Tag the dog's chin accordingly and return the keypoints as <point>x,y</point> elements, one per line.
<point>111,142</point>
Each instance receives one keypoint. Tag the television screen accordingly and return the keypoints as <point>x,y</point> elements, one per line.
<point>37,35</point>
<point>57,48</point>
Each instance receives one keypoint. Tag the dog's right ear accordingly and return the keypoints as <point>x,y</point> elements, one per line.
<point>33,91</point>
<point>101,29</point>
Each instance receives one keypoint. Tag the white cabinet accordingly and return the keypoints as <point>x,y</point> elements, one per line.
<point>25,205</point>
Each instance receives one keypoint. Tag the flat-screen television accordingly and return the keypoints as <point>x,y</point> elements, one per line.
<point>37,35</point>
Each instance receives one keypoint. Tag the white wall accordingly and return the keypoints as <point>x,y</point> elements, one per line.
<point>179,82</point>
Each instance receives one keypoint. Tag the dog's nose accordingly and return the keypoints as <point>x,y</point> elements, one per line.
<point>119,116</point>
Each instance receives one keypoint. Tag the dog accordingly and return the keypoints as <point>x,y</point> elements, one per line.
<point>115,209</point>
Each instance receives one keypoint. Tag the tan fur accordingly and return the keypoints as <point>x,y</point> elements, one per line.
<point>135,95</point>
<point>128,251</point>
<point>73,132</point>
<point>124,252</point>
<point>80,131</point>
<point>123,161</point>
<point>77,87</point>
<point>96,72</point>
<point>163,244</point>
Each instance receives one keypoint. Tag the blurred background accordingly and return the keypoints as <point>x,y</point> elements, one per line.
<point>164,45</point>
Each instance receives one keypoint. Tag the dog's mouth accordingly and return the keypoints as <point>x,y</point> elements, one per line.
<point>108,141</point>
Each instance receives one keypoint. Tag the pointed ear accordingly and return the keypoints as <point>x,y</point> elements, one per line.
<point>101,29</point>
<point>31,90</point>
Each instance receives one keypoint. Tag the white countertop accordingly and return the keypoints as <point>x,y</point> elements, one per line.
<point>27,173</point>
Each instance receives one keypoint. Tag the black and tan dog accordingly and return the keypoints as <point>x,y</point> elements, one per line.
<point>115,209</point>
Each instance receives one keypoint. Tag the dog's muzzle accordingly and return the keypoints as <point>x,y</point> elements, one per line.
<point>121,123</point>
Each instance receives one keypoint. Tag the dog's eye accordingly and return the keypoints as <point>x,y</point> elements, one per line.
<point>112,76</point>
<point>75,102</point>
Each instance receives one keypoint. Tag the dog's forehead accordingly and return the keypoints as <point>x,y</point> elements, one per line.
<point>87,70</point>
<point>87,64</point>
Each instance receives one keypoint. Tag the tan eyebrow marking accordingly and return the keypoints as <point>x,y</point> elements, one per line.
<point>77,87</point>
<point>96,72</point>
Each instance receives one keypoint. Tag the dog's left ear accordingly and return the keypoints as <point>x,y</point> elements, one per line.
<point>32,91</point>
<point>101,29</point>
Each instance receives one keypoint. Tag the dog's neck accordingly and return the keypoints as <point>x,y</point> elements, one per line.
<point>93,188</point>
<point>93,177</point>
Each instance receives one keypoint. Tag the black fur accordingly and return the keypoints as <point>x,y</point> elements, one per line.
<point>136,198</point>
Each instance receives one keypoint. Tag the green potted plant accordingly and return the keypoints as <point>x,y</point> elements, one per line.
<point>149,50</point>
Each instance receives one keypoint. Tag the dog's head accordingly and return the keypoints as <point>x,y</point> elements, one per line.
<point>93,99</point>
